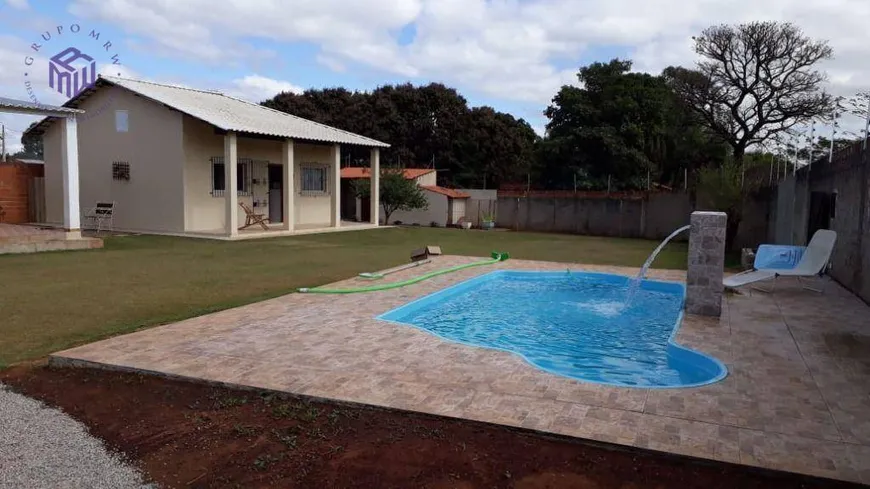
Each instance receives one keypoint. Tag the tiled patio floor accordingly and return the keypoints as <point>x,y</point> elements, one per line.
<point>797,397</point>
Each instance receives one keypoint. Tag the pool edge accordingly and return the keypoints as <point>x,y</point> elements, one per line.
<point>495,273</point>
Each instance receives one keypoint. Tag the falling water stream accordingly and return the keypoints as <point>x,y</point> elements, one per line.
<point>634,284</point>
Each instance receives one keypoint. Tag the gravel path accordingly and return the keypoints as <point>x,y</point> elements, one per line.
<point>41,447</point>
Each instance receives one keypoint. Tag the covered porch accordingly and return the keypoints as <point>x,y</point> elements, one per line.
<point>283,186</point>
<point>277,230</point>
<point>28,239</point>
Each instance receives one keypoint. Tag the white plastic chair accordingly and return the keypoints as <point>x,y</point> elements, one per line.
<point>812,264</point>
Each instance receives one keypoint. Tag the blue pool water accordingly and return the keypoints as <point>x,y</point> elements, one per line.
<point>573,324</point>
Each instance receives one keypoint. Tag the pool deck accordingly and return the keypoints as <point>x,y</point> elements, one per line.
<point>797,397</point>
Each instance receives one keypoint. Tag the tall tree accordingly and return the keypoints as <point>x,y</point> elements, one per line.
<point>426,126</point>
<point>754,81</point>
<point>615,125</point>
<point>32,145</point>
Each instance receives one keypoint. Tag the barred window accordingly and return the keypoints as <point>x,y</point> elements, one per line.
<point>218,176</point>
<point>314,179</point>
<point>121,171</point>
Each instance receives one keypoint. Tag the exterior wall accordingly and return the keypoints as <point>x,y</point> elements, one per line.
<point>51,153</point>
<point>205,213</point>
<point>481,203</point>
<point>848,176</point>
<point>437,212</point>
<point>594,216</point>
<point>153,198</point>
<point>849,179</point>
<point>457,208</point>
<point>429,179</point>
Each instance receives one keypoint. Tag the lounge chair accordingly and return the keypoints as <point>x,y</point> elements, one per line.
<point>813,262</point>
<point>252,218</point>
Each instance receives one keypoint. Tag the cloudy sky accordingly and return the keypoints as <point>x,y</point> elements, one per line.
<point>510,54</point>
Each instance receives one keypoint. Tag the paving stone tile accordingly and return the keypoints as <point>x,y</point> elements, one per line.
<point>797,396</point>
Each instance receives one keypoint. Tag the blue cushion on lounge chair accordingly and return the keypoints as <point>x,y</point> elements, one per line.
<point>777,257</point>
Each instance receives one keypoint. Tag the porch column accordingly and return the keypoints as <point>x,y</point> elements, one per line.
<point>336,186</point>
<point>231,194</point>
<point>375,164</point>
<point>289,185</point>
<point>70,163</point>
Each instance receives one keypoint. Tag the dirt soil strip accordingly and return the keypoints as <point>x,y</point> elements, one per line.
<point>189,435</point>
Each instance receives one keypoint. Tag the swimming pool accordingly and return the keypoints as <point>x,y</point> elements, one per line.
<point>570,323</point>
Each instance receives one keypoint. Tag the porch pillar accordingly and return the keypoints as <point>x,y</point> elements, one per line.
<point>289,185</point>
<point>336,186</point>
<point>70,164</point>
<point>231,194</point>
<point>375,165</point>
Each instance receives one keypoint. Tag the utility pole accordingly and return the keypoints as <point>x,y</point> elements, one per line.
<point>3,142</point>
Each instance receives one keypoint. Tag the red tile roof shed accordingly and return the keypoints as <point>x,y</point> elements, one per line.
<point>364,172</point>
<point>453,193</point>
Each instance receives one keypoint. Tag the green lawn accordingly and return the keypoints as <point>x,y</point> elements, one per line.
<point>52,301</point>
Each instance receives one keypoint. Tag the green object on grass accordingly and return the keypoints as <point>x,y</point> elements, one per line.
<point>496,257</point>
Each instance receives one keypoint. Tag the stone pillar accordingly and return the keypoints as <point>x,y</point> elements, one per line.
<point>706,263</point>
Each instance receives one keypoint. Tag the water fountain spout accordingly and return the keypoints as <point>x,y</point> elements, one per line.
<point>649,261</point>
<point>634,283</point>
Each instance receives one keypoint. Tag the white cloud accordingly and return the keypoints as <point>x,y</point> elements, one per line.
<point>256,88</point>
<point>498,48</point>
<point>503,50</point>
<point>18,4</point>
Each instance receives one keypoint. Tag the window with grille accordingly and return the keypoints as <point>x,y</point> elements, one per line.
<point>218,176</point>
<point>314,179</point>
<point>121,171</point>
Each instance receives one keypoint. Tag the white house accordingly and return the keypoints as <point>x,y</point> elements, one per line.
<point>160,152</point>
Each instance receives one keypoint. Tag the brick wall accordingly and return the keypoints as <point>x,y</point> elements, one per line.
<point>14,188</point>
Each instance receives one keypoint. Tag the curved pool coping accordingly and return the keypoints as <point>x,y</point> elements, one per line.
<point>672,344</point>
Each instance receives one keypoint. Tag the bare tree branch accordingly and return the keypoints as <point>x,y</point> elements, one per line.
<point>754,81</point>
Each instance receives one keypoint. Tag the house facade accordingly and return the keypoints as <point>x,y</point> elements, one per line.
<point>160,153</point>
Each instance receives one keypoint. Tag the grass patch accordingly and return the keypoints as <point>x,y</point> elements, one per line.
<point>53,301</point>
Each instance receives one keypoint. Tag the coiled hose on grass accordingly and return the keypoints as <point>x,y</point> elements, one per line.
<point>496,257</point>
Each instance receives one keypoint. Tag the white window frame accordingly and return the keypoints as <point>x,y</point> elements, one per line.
<point>326,180</point>
<point>122,124</point>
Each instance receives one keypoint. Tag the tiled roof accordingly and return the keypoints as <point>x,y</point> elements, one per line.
<point>364,172</point>
<point>232,114</point>
<point>453,193</point>
<point>11,103</point>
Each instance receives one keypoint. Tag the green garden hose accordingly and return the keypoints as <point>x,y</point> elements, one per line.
<point>496,257</point>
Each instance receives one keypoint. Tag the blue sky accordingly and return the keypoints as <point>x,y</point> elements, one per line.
<point>509,54</point>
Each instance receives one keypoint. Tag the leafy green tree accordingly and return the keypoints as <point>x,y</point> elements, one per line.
<point>615,125</point>
<point>397,193</point>
<point>427,126</point>
<point>32,145</point>
<point>496,149</point>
